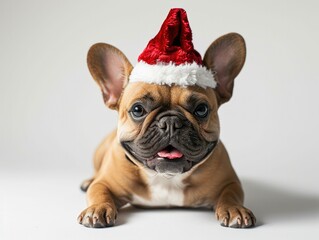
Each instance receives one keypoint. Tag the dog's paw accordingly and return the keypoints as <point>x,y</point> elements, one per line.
<point>235,217</point>
<point>85,184</point>
<point>98,216</point>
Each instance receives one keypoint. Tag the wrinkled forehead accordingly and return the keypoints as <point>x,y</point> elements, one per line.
<point>165,95</point>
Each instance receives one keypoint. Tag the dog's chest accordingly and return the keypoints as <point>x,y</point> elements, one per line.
<point>164,192</point>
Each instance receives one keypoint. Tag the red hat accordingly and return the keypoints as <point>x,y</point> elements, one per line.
<point>170,57</point>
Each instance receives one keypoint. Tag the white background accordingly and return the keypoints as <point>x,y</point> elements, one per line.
<point>53,117</point>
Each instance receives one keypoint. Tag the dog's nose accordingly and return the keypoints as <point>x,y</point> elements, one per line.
<point>170,123</point>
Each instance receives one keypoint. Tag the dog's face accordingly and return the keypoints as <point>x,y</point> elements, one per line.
<point>168,129</point>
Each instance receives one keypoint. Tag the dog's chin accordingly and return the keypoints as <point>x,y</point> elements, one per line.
<point>168,166</point>
<point>170,161</point>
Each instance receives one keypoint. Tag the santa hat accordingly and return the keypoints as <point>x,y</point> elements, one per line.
<point>170,57</point>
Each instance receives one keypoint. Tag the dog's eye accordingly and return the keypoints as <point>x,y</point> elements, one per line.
<point>137,111</point>
<point>201,110</point>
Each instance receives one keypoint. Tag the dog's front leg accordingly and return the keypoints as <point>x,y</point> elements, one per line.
<point>229,209</point>
<point>102,210</point>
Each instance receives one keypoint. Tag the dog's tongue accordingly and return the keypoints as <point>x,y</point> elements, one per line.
<point>170,154</point>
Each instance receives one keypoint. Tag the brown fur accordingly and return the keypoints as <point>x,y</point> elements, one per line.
<point>212,183</point>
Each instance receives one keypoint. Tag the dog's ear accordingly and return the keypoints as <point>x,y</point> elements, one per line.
<point>226,57</point>
<point>110,69</point>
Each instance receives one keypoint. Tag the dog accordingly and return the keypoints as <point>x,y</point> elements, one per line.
<point>166,150</point>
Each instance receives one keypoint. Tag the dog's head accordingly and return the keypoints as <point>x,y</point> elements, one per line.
<point>168,129</point>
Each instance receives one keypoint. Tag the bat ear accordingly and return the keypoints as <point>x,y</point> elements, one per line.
<point>226,57</point>
<point>110,69</point>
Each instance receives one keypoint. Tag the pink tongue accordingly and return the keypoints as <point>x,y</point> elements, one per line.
<point>170,155</point>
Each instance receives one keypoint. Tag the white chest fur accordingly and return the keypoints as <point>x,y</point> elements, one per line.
<point>165,191</point>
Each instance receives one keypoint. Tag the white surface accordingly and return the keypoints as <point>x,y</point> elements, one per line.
<point>52,115</point>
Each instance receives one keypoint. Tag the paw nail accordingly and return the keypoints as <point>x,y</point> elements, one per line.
<point>80,219</point>
<point>246,221</point>
<point>225,222</point>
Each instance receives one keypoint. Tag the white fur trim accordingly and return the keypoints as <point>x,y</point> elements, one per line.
<point>188,74</point>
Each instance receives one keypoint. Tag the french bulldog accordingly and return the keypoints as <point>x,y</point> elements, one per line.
<point>166,150</point>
